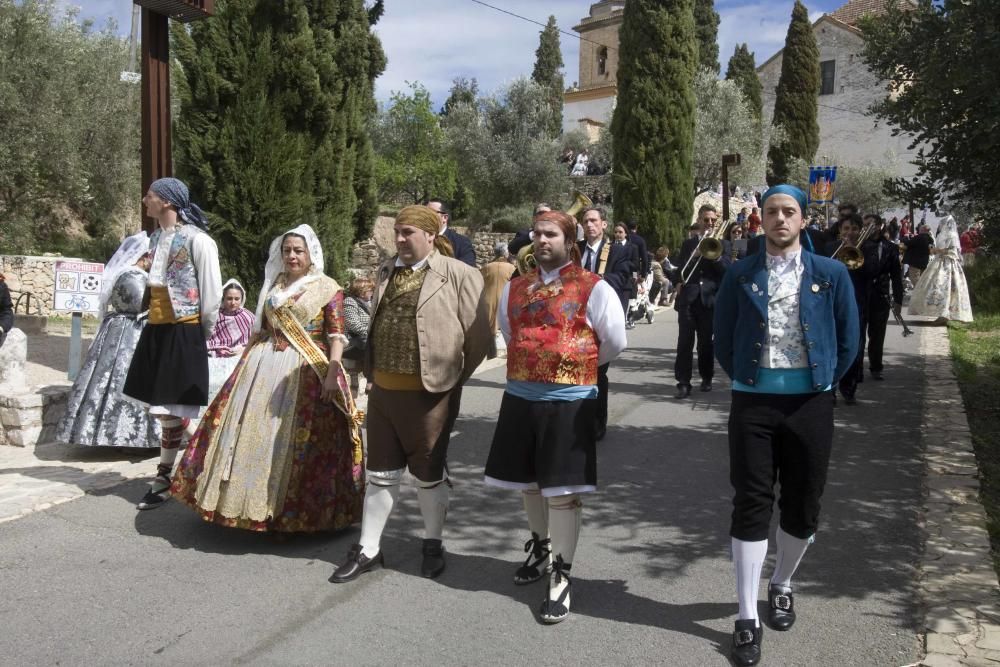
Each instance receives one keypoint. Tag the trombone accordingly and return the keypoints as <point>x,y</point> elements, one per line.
<point>851,256</point>
<point>526,256</point>
<point>709,247</point>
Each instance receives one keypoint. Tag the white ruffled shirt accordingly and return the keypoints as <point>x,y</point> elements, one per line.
<point>785,346</point>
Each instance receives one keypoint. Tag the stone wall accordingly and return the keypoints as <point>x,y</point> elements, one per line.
<point>368,254</point>
<point>25,273</point>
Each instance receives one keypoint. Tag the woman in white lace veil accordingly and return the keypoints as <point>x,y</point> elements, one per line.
<point>942,291</point>
<point>128,253</point>
<point>275,266</point>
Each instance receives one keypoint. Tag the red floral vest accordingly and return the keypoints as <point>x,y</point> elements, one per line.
<point>550,339</point>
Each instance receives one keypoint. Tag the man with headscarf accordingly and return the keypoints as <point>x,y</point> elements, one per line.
<point>429,332</point>
<point>169,370</point>
<point>786,329</point>
<point>562,322</point>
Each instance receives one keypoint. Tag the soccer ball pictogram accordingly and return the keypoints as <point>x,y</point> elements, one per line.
<point>91,283</point>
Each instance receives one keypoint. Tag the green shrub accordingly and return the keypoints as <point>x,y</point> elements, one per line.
<point>984,285</point>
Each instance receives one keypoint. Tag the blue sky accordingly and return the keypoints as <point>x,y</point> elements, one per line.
<point>434,41</point>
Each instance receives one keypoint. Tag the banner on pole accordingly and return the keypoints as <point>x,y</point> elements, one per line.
<point>821,184</point>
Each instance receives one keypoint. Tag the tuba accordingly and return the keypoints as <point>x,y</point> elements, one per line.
<point>526,256</point>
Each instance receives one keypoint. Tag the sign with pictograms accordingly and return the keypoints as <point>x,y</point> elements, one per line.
<point>77,287</point>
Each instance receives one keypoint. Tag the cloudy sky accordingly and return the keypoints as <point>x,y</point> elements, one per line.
<point>434,41</point>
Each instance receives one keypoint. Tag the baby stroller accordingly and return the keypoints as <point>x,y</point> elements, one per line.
<point>640,307</point>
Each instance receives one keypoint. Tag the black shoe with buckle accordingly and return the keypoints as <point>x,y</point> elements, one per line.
<point>433,564</point>
<point>536,564</point>
<point>877,375</point>
<point>356,564</point>
<point>781,612</point>
<point>706,385</point>
<point>746,643</point>
<point>554,611</point>
<point>159,490</point>
<point>683,391</point>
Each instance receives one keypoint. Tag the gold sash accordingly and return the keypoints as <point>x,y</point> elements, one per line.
<point>289,325</point>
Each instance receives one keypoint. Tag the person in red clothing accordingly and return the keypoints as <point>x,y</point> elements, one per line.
<point>753,223</point>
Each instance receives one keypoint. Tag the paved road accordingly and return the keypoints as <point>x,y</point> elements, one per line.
<point>93,582</point>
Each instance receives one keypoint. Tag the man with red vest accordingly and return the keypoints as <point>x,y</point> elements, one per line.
<point>561,322</point>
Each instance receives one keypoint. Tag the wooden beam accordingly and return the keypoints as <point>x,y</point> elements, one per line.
<point>156,157</point>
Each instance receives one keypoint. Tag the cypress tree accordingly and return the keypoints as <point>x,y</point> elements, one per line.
<point>275,100</point>
<point>795,104</point>
<point>548,72</point>
<point>743,70</point>
<point>706,21</point>
<point>653,124</point>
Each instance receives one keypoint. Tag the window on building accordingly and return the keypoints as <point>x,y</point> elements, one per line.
<point>602,61</point>
<point>827,73</point>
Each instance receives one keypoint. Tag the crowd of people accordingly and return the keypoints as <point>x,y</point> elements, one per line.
<point>784,308</point>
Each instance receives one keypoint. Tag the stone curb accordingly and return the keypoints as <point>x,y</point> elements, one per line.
<point>958,590</point>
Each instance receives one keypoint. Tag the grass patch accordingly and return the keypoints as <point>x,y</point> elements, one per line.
<point>975,349</point>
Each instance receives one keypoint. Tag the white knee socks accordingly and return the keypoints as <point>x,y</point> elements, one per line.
<point>378,506</point>
<point>434,508</point>
<point>748,560</point>
<point>564,525</point>
<point>790,552</point>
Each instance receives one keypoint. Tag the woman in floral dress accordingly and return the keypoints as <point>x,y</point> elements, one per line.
<point>942,291</point>
<point>279,449</point>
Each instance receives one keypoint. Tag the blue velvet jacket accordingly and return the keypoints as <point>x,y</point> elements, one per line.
<point>827,311</point>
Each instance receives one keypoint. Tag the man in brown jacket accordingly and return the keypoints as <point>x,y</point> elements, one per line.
<point>429,332</point>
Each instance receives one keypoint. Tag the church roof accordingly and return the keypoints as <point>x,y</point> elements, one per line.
<point>852,12</point>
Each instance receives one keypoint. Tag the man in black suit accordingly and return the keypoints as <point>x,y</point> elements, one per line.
<point>640,243</point>
<point>918,253</point>
<point>695,304</point>
<point>461,244</point>
<point>885,292</point>
<point>6,311</point>
<point>612,262</point>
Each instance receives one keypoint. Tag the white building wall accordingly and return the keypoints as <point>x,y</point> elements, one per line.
<point>848,136</point>
<point>575,113</point>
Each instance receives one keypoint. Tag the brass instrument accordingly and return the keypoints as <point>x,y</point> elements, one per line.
<point>526,260</point>
<point>709,247</point>
<point>526,256</point>
<point>851,256</point>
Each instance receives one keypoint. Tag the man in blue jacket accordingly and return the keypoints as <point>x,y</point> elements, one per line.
<point>786,329</point>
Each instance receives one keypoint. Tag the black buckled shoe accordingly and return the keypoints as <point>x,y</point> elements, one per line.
<point>356,564</point>
<point>877,375</point>
<point>706,385</point>
<point>538,551</point>
<point>781,611</point>
<point>433,564</point>
<point>159,490</point>
<point>746,643</point>
<point>683,391</point>
<point>554,611</point>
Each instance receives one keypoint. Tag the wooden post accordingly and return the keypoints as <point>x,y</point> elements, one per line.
<point>156,159</point>
<point>729,159</point>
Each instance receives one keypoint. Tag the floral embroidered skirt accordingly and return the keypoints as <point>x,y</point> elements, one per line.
<point>942,291</point>
<point>269,455</point>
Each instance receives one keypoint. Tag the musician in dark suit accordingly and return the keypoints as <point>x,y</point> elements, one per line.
<point>885,290</point>
<point>460,244</point>
<point>614,263</point>
<point>695,303</point>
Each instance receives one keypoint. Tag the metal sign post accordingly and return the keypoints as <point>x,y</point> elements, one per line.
<point>77,291</point>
